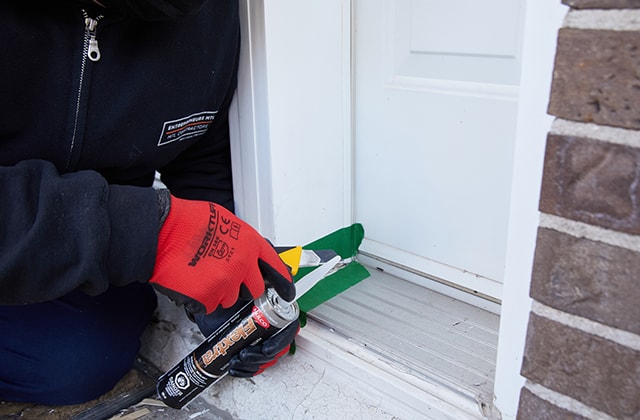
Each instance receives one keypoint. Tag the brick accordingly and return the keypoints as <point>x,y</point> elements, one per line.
<point>603,4</point>
<point>597,77</point>
<point>588,279</point>
<point>532,407</point>
<point>599,373</point>
<point>592,182</point>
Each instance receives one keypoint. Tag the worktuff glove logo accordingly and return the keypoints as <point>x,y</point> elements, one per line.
<point>213,245</point>
<point>186,128</point>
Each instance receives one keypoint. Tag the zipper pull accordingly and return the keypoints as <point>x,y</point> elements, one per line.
<point>93,52</point>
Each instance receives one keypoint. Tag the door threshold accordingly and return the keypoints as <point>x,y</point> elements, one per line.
<point>424,349</point>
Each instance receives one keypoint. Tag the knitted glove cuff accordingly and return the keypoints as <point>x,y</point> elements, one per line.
<point>164,204</point>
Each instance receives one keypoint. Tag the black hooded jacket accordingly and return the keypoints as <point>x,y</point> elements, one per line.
<point>81,139</point>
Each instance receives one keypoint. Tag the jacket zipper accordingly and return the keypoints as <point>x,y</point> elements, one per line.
<point>91,51</point>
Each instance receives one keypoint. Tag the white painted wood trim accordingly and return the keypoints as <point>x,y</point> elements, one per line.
<point>249,125</point>
<point>542,20</point>
<point>292,149</point>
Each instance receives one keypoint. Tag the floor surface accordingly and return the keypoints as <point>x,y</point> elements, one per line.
<point>132,398</point>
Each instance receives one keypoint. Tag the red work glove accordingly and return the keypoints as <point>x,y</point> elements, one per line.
<point>207,257</point>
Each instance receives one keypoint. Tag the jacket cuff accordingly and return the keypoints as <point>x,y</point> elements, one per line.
<point>134,234</point>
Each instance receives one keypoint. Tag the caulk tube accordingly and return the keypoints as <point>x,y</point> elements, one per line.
<point>209,362</point>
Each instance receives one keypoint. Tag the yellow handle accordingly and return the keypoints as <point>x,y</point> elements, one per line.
<point>291,257</point>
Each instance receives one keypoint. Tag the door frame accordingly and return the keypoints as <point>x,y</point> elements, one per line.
<point>284,177</point>
<point>542,21</point>
<point>292,183</point>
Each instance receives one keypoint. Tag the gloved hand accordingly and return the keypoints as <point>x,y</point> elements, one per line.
<point>208,257</point>
<point>251,360</point>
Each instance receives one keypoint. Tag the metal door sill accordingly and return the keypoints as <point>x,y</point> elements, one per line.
<point>425,350</point>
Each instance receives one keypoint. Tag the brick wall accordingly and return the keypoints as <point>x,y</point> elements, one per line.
<point>582,355</point>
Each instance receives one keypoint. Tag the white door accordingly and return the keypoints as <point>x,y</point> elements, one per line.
<point>435,107</point>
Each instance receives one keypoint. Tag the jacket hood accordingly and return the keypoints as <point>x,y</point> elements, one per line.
<point>153,10</point>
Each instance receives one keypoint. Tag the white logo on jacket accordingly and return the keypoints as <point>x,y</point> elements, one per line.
<point>186,127</point>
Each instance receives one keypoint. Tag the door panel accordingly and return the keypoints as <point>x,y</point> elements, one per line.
<point>435,95</point>
<point>462,40</point>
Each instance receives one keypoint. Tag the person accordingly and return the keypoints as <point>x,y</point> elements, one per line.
<point>98,97</point>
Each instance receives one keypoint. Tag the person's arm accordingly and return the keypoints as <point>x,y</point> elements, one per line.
<point>62,232</point>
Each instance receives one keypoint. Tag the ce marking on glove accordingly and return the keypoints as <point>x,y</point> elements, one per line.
<point>229,228</point>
